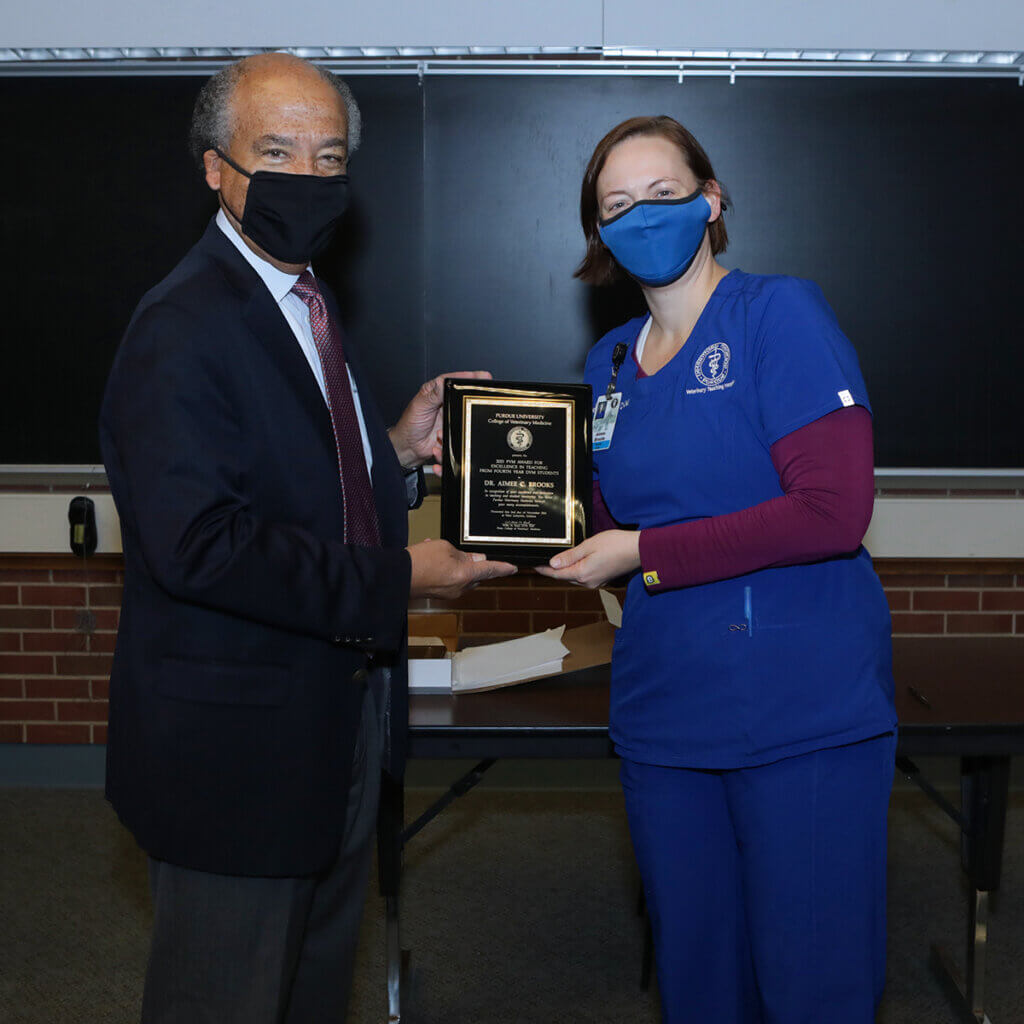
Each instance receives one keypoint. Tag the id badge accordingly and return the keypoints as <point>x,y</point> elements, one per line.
<point>606,412</point>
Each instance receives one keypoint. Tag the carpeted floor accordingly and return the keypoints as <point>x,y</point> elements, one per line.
<point>518,907</point>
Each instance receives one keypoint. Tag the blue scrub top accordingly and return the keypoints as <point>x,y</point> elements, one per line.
<point>778,662</point>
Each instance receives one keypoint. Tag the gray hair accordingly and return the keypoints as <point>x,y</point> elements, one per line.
<point>211,116</point>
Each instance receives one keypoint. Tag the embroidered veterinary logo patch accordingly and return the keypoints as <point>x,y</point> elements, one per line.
<point>712,365</point>
<point>712,368</point>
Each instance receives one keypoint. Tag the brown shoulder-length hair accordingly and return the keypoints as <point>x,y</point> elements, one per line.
<point>599,266</point>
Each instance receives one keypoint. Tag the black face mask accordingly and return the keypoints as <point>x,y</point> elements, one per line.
<point>290,216</point>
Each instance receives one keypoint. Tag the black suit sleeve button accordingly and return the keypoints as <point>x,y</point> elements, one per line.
<point>360,675</point>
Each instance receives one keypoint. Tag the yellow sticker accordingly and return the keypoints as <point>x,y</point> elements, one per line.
<point>651,579</point>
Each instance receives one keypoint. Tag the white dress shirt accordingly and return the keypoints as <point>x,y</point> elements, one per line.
<point>296,313</point>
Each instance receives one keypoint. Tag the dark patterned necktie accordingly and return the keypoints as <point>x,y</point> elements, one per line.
<point>360,513</point>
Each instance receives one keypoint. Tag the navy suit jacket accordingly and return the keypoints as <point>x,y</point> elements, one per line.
<point>247,627</point>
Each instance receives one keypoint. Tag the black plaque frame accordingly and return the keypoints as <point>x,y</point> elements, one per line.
<point>514,503</point>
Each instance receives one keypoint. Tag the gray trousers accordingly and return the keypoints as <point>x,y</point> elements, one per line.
<point>234,950</point>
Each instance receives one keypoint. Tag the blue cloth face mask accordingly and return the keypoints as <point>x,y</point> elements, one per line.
<point>656,240</point>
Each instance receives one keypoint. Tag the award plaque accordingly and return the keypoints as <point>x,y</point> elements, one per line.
<point>516,472</point>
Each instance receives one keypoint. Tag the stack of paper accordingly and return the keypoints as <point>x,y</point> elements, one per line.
<point>494,665</point>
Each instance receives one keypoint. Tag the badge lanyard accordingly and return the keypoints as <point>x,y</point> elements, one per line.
<point>606,411</point>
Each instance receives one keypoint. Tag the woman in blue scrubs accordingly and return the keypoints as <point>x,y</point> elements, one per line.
<point>752,693</point>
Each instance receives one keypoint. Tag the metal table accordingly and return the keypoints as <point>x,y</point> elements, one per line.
<point>956,696</point>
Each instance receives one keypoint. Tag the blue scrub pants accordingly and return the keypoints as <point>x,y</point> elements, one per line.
<point>766,886</point>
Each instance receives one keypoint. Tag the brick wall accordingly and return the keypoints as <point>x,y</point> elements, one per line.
<point>970,599</point>
<point>54,668</point>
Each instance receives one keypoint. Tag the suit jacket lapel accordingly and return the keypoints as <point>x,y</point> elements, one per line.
<point>267,323</point>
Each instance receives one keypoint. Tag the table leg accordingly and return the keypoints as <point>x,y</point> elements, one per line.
<point>977,943</point>
<point>390,820</point>
<point>393,959</point>
<point>984,788</point>
<point>952,981</point>
<point>392,835</point>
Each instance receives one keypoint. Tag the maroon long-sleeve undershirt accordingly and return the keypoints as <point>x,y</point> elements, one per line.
<point>826,470</point>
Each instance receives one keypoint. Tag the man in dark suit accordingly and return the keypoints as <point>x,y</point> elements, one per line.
<point>263,511</point>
